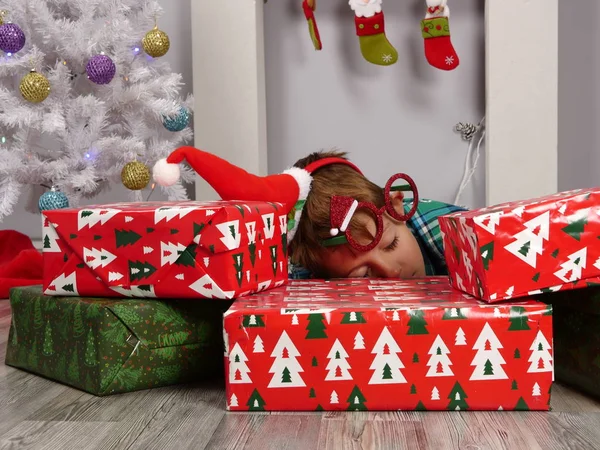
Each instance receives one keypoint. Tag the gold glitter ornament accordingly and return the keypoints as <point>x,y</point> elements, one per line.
<point>156,43</point>
<point>35,87</point>
<point>135,176</point>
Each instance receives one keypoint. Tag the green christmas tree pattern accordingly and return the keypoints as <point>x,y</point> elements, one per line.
<point>457,398</point>
<point>187,258</point>
<point>515,386</point>
<point>253,320</point>
<point>124,238</point>
<point>415,358</point>
<point>238,265</point>
<point>521,405</point>
<point>517,354</point>
<point>316,327</point>
<point>417,323</point>
<point>255,402</point>
<point>518,319</point>
<point>140,270</point>
<point>356,400</point>
<point>78,329</point>
<point>353,317</point>
<point>420,406</point>
<point>252,251</point>
<point>73,368</point>
<point>273,252</point>
<point>576,228</point>
<point>487,254</point>
<point>413,389</point>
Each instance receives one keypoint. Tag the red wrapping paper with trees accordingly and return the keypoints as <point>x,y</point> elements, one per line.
<point>218,250</point>
<point>360,344</point>
<point>525,248</point>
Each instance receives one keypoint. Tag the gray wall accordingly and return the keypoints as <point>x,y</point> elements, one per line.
<point>578,94</point>
<point>176,23</point>
<point>392,119</point>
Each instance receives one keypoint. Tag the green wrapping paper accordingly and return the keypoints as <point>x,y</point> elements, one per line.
<point>576,322</point>
<point>113,346</point>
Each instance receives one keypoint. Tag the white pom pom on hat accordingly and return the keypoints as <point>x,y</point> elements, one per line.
<point>166,174</point>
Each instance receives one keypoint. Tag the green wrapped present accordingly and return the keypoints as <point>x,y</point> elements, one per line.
<point>576,322</point>
<point>107,346</point>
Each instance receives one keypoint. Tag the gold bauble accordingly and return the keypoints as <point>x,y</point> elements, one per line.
<point>156,43</point>
<point>135,176</point>
<point>35,87</point>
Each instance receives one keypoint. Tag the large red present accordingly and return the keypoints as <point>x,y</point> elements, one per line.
<point>361,344</point>
<point>166,250</point>
<point>525,248</point>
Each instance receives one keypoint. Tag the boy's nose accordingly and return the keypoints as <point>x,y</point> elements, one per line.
<point>382,270</point>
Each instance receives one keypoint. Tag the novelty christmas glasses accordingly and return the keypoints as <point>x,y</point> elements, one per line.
<point>342,210</point>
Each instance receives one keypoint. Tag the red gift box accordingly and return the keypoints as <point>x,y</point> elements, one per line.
<point>525,248</point>
<point>165,250</point>
<point>361,344</point>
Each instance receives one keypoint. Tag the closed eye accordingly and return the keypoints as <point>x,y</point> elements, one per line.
<point>392,245</point>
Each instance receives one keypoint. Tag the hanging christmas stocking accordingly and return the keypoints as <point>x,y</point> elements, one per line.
<point>436,33</point>
<point>370,30</point>
<point>309,7</point>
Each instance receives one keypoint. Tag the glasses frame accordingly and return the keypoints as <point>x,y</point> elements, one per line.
<point>347,238</point>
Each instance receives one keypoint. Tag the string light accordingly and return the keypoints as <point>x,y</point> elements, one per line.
<point>3,140</point>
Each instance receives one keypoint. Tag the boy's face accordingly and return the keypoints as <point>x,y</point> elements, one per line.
<point>396,256</point>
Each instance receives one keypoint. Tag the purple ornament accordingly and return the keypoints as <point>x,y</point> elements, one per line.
<point>12,38</point>
<point>101,69</point>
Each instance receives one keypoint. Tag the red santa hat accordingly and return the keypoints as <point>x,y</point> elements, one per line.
<point>290,188</point>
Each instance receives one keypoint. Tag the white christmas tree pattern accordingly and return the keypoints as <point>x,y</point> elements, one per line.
<point>337,367</point>
<point>359,341</point>
<point>50,241</point>
<point>170,252</point>
<point>258,345</point>
<point>460,337</point>
<point>233,401</point>
<point>571,269</point>
<point>334,399</point>
<point>488,360</point>
<point>238,369</point>
<point>489,221</point>
<point>269,225</point>
<point>529,243</point>
<point>536,392</point>
<point>230,231</point>
<point>541,357</point>
<point>94,258</point>
<point>92,217</point>
<point>285,368</point>
<point>168,213</point>
<point>386,364</point>
<point>439,363</point>
<point>435,394</point>
<point>64,284</point>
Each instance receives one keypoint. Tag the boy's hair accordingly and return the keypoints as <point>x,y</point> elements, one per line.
<point>315,223</point>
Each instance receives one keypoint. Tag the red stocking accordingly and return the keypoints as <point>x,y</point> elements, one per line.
<point>436,32</point>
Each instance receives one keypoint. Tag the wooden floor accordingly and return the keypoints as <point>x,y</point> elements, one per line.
<point>36,413</point>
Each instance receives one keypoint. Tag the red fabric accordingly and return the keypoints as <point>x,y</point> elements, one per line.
<point>20,262</point>
<point>234,183</point>
<point>371,25</point>
<point>440,52</point>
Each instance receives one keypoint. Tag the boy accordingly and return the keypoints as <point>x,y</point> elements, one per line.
<point>340,224</point>
<point>410,248</point>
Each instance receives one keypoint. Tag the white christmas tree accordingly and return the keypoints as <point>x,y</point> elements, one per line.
<point>439,363</point>
<point>86,100</point>
<point>386,364</point>
<point>571,269</point>
<point>258,345</point>
<point>337,367</point>
<point>540,358</point>
<point>488,360</point>
<point>535,392</point>
<point>334,398</point>
<point>460,337</point>
<point>359,341</point>
<point>294,319</point>
<point>530,242</point>
<point>233,401</point>
<point>238,369</point>
<point>285,368</point>
<point>435,394</point>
